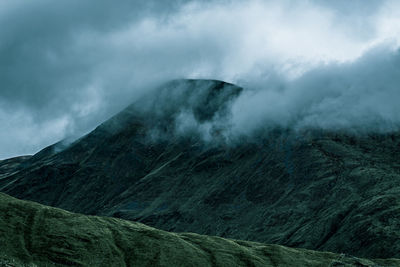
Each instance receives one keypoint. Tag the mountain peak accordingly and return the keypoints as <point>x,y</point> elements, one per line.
<point>313,191</point>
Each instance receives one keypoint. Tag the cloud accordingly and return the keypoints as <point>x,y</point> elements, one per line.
<point>72,64</point>
<point>358,96</point>
<point>21,133</point>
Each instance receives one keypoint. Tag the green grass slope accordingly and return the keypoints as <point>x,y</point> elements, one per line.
<point>32,234</point>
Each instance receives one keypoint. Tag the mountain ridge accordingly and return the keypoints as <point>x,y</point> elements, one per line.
<point>316,190</point>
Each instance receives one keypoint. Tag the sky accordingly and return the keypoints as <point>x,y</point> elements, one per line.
<point>68,65</point>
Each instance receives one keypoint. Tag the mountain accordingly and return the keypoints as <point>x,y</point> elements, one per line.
<point>330,191</point>
<point>45,236</point>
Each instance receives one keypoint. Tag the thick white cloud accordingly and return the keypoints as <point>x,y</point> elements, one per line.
<point>358,96</point>
<point>73,63</point>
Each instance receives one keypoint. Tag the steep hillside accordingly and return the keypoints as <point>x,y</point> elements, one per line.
<point>9,166</point>
<point>316,190</point>
<point>34,234</point>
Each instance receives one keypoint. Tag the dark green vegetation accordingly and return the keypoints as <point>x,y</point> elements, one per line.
<point>324,191</point>
<point>31,233</point>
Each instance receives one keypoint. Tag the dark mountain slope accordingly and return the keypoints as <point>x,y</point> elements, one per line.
<point>34,234</point>
<point>325,191</point>
<point>8,166</point>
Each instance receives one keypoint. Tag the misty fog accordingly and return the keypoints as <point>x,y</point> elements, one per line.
<point>67,66</point>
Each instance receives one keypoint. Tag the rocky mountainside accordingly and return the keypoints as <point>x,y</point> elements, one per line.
<point>37,235</point>
<point>318,190</point>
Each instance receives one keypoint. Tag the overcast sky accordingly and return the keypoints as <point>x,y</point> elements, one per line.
<point>67,65</point>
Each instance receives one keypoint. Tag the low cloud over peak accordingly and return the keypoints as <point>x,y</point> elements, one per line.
<point>68,65</point>
<point>357,96</point>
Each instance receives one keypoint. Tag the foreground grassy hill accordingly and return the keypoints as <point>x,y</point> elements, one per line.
<point>33,234</point>
<point>316,190</point>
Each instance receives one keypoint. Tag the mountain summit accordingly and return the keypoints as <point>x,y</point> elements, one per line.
<point>318,190</point>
